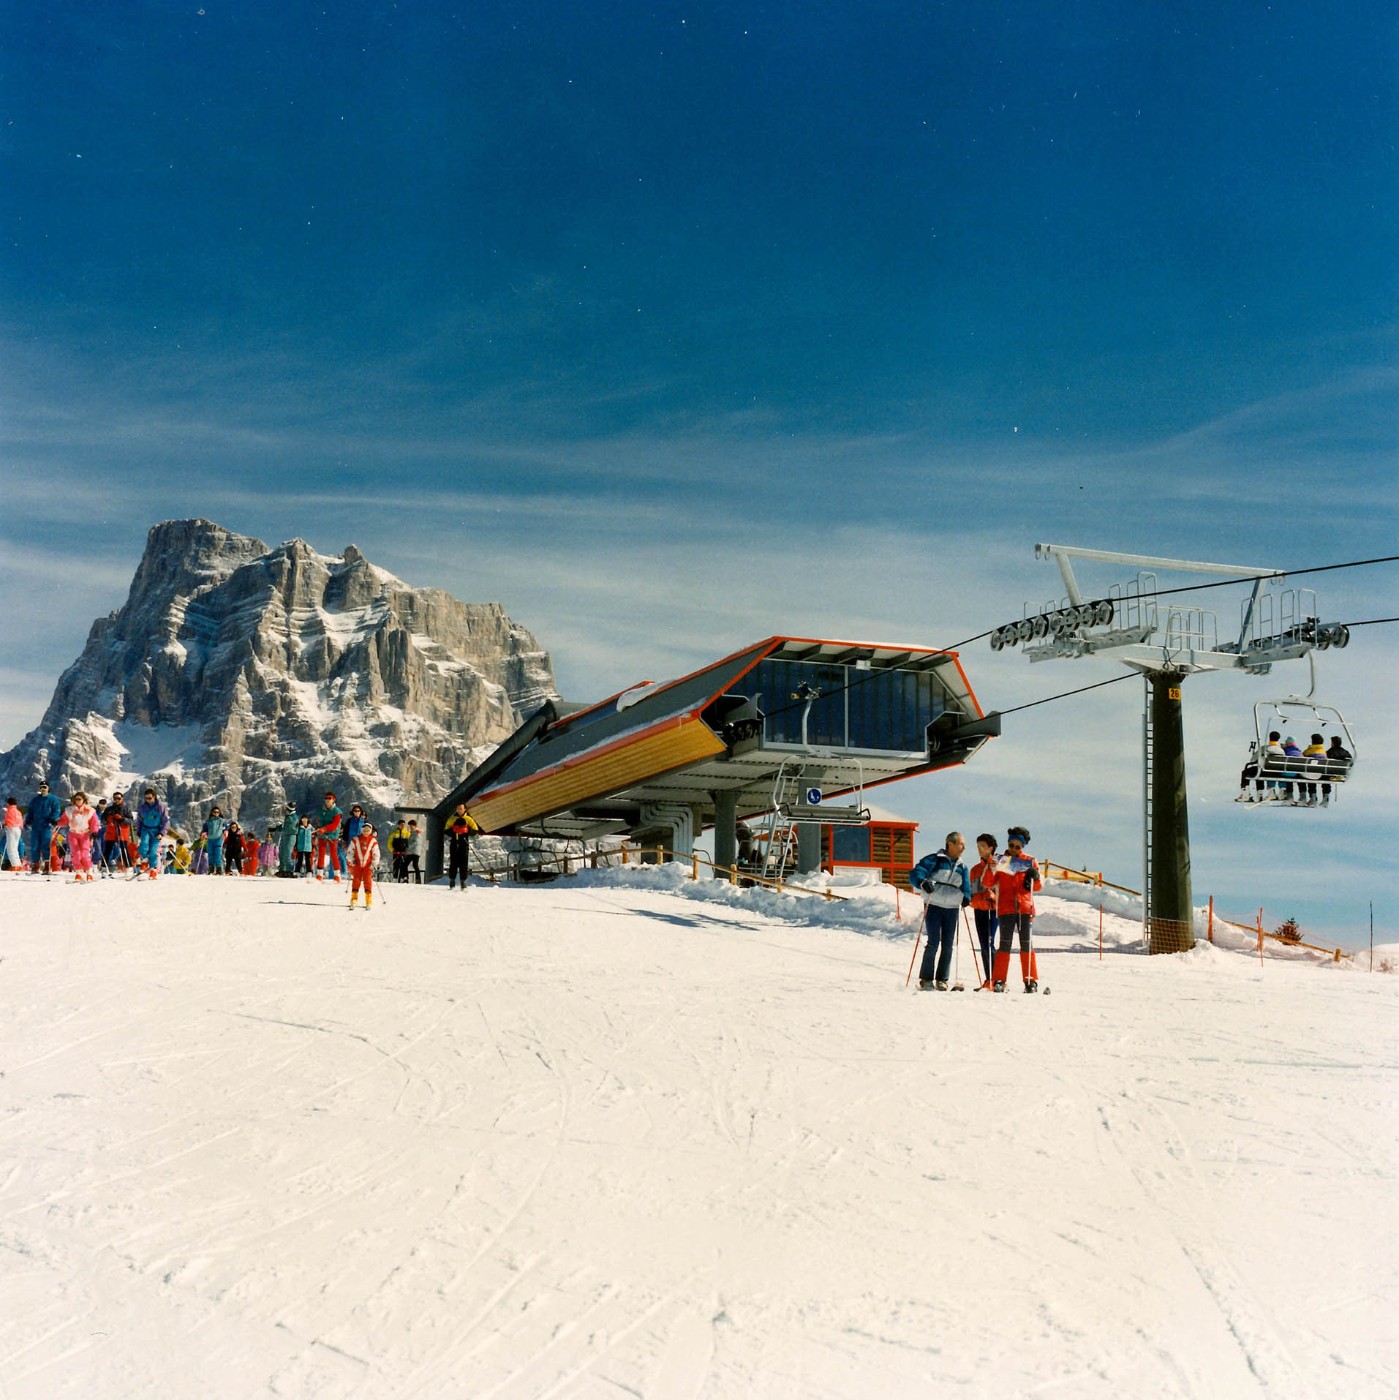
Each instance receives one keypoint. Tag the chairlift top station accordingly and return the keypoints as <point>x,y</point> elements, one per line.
<point>817,718</point>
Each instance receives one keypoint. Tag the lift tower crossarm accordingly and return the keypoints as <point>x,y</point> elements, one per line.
<point>1062,553</point>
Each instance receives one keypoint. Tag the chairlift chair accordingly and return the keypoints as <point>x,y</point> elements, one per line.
<point>1273,776</point>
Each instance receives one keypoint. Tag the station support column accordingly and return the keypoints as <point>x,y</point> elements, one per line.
<point>725,832</point>
<point>808,847</point>
<point>1170,912</point>
<point>433,839</point>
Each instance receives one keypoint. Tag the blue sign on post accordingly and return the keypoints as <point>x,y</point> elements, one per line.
<point>813,797</point>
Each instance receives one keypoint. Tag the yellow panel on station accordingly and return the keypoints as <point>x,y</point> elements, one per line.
<point>628,761</point>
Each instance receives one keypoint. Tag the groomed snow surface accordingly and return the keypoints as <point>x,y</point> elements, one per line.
<point>612,1137</point>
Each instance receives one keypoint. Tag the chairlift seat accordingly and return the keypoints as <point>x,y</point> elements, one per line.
<point>1298,714</point>
<point>826,815</point>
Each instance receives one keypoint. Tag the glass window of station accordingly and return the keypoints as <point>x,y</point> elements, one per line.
<point>876,710</point>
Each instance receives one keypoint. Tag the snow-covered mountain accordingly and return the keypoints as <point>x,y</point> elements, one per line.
<point>254,676</point>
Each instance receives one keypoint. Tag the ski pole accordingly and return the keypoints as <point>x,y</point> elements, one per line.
<point>917,938</point>
<point>976,962</point>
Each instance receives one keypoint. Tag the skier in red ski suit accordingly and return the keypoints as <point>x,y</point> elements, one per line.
<point>362,856</point>
<point>1016,877</point>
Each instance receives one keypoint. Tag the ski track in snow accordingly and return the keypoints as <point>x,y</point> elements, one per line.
<point>607,1138</point>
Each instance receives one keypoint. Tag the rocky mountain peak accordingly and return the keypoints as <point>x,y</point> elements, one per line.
<point>253,676</point>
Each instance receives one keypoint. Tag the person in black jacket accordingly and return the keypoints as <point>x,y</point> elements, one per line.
<point>116,834</point>
<point>233,849</point>
<point>460,825</point>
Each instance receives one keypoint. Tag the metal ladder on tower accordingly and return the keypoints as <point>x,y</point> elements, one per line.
<point>1148,760</point>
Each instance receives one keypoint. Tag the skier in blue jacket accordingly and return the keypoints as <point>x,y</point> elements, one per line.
<point>286,842</point>
<point>946,887</point>
<point>151,822</point>
<point>214,830</point>
<point>41,817</point>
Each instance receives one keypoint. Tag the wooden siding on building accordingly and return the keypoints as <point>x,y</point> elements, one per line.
<point>891,851</point>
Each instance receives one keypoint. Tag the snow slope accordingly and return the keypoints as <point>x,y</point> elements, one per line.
<point>613,1137</point>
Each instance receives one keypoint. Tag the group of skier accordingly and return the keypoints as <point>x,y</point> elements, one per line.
<point>83,836</point>
<point>999,890</point>
<point>48,836</point>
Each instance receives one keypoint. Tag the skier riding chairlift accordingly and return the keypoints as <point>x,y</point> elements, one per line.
<point>1273,771</point>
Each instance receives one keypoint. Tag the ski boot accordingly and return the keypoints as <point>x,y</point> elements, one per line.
<point>1031,985</point>
<point>942,986</point>
<point>1000,971</point>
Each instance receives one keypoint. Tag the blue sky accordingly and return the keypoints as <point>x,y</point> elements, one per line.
<point>674,326</point>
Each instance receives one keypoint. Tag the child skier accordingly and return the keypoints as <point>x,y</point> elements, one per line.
<point>362,855</point>
<point>305,840</point>
<point>1017,877</point>
<point>182,858</point>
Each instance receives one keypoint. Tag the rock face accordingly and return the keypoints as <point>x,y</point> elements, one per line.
<point>253,677</point>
